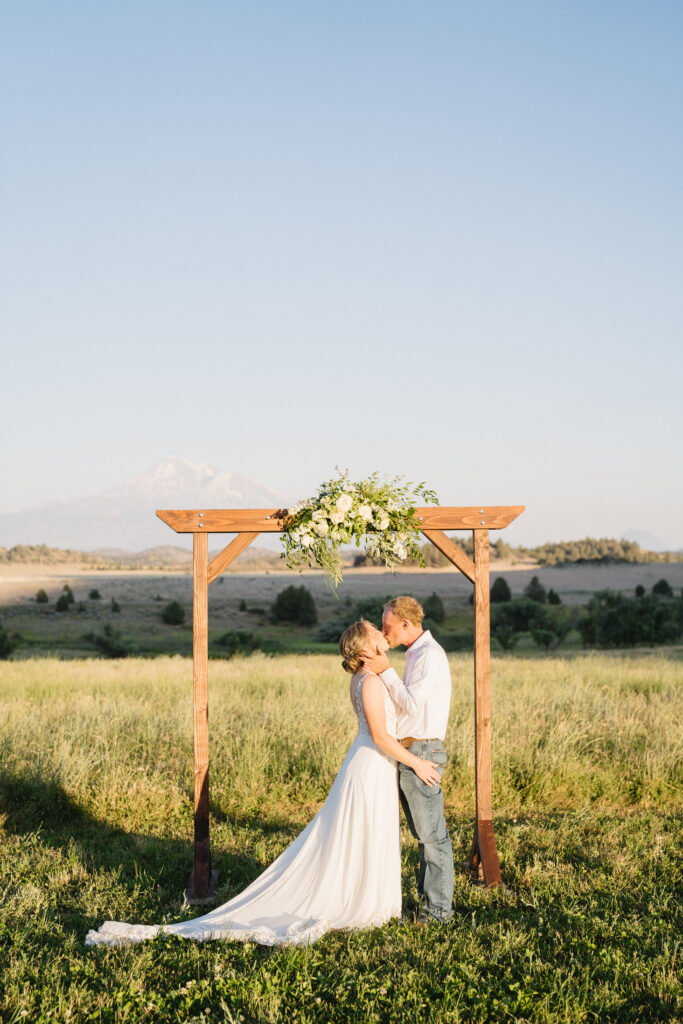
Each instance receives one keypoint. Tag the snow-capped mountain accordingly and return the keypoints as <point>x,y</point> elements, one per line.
<point>124,516</point>
<point>647,541</point>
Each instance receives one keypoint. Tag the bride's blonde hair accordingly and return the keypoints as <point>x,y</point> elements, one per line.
<point>352,643</point>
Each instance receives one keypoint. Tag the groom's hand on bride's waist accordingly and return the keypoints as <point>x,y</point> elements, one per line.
<point>376,663</point>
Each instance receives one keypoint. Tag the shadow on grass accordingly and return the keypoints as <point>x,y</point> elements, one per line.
<point>41,808</point>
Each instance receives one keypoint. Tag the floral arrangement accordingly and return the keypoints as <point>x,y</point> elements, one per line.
<point>346,512</point>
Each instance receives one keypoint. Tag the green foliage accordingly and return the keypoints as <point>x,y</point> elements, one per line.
<point>378,513</point>
<point>553,597</point>
<point>535,590</point>
<point>173,614</point>
<point>68,593</point>
<point>663,588</point>
<point>295,604</point>
<point>94,594</point>
<point>433,608</point>
<point>115,606</point>
<point>242,605</point>
<point>369,608</point>
<point>111,644</point>
<point>613,620</point>
<point>640,590</point>
<point>41,597</point>
<point>8,643</point>
<point>63,603</point>
<point>238,641</point>
<point>507,637</point>
<point>500,591</point>
<point>330,631</point>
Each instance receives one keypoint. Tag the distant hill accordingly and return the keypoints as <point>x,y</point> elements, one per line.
<point>646,540</point>
<point>123,517</point>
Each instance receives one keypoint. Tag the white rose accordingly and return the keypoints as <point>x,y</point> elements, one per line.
<point>321,528</point>
<point>400,551</point>
<point>383,523</point>
<point>365,512</point>
<point>306,540</point>
<point>336,517</point>
<point>344,502</point>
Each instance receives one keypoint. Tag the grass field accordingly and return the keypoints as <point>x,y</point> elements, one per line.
<point>95,804</point>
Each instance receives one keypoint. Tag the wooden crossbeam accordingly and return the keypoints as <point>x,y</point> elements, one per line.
<point>455,554</point>
<point>272,520</point>
<point>229,554</point>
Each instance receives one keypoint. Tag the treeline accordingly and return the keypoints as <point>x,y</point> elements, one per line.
<point>589,551</point>
<point>41,554</point>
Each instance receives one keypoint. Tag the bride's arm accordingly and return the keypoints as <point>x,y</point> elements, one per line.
<point>373,704</point>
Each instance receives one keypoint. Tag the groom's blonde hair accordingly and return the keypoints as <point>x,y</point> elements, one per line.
<point>405,607</point>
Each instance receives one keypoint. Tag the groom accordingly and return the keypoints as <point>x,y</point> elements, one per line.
<point>423,698</point>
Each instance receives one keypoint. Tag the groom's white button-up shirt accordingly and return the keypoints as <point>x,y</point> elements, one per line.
<point>423,696</point>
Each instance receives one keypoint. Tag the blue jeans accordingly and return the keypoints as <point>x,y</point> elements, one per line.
<point>423,808</point>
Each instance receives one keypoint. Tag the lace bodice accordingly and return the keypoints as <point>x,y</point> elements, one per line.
<point>389,709</point>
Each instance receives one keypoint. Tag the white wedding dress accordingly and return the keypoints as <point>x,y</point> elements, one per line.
<point>342,871</point>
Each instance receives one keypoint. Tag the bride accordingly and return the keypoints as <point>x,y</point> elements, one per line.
<point>344,869</point>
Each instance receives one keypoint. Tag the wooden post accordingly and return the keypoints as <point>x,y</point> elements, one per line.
<point>484,854</point>
<point>201,872</point>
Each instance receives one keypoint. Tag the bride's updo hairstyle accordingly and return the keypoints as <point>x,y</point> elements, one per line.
<point>352,643</point>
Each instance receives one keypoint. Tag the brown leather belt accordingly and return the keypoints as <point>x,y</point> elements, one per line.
<point>408,741</point>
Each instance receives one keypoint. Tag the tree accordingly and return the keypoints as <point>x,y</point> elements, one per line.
<point>68,593</point>
<point>554,598</point>
<point>640,590</point>
<point>173,614</point>
<point>112,644</point>
<point>663,589</point>
<point>94,595</point>
<point>535,590</point>
<point>115,606</point>
<point>63,603</point>
<point>7,643</point>
<point>433,608</point>
<point>41,597</point>
<point>500,591</point>
<point>295,604</point>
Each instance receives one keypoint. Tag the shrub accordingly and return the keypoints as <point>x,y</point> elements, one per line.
<point>63,603</point>
<point>330,631</point>
<point>535,590</point>
<point>295,604</point>
<point>545,638</point>
<point>500,591</point>
<point>371,609</point>
<point>663,589</point>
<point>41,597</point>
<point>433,608</point>
<point>115,606</point>
<point>112,644</point>
<point>554,598</point>
<point>238,641</point>
<point>242,605</point>
<point>173,614</point>
<point>68,593</point>
<point>506,636</point>
<point>94,595</point>
<point>7,643</point>
<point>640,590</point>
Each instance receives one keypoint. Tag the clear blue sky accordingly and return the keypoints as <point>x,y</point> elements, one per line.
<point>441,238</point>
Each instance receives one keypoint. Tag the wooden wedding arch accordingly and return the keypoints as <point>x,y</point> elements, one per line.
<point>247,524</point>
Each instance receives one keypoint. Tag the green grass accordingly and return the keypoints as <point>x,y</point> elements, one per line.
<point>95,804</point>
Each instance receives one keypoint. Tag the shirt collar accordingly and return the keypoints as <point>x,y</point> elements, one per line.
<point>420,642</point>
